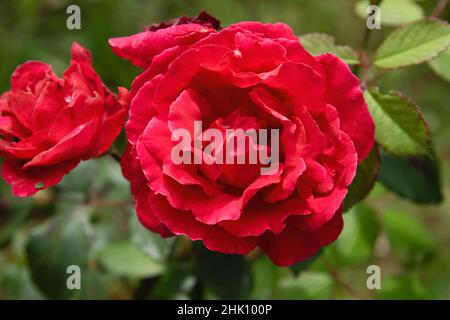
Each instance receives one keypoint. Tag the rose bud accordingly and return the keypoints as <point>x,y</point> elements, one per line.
<point>49,124</point>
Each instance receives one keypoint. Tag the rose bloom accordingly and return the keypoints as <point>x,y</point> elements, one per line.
<point>48,124</point>
<point>246,76</point>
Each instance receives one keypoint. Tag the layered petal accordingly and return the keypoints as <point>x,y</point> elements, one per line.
<point>27,182</point>
<point>213,237</point>
<point>140,48</point>
<point>293,245</point>
<point>50,124</point>
<point>344,93</point>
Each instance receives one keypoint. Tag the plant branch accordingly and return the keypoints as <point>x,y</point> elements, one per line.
<point>440,6</point>
<point>363,56</point>
<point>367,31</point>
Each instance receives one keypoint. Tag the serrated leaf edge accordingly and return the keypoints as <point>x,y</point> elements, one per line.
<point>416,108</point>
<point>415,63</point>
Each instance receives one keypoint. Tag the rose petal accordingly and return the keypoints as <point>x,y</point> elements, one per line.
<point>140,48</point>
<point>28,75</point>
<point>146,215</point>
<point>344,93</point>
<point>25,182</point>
<point>269,30</point>
<point>259,216</point>
<point>213,237</point>
<point>73,146</point>
<point>292,245</point>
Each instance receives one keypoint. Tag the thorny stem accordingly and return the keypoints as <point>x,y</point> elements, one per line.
<point>440,6</point>
<point>367,31</point>
<point>365,62</point>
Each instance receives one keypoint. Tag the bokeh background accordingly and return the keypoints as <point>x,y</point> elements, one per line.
<point>88,219</point>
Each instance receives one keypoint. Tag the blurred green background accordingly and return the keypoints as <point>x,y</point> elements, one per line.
<point>88,220</point>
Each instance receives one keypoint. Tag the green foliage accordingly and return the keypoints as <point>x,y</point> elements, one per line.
<point>356,243</point>
<point>176,283</point>
<point>51,248</point>
<point>15,282</point>
<point>16,216</point>
<point>441,65</point>
<point>149,243</point>
<point>227,276</point>
<point>320,43</point>
<point>415,178</point>
<point>364,181</point>
<point>308,285</point>
<point>94,286</point>
<point>265,278</point>
<point>124,259</point>
<point>403,287</point>
<point>411,242</point>
<point>413,44</point>
<point>400,126</point>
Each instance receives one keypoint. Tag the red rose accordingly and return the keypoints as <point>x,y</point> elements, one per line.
<point>248,75</point>
<point>48,124</point>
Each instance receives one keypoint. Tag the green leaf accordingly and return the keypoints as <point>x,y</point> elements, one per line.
<point>226,275</point>
<point>320,43</point>
<point>410,241</point>
<point>13,217</point>
<point>414,178</point>
<point>124,259</point>
<point>101,176</point>
<point>149,242</point>
<point>94,286</point>
<point>393,12</point>
<point>80,177</point>
<point>440,280</point>
<point>441,65</point>
<point>176,283</point>
<point>309,285</point>
<point>413,44</point>
<point>356,243</point>
<point>366,176</point>
<point>54,246</point>
<point>400,126</point>
<point>15,283</point>
<point>404,287</point>
<point>265,278</point>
